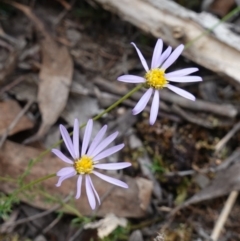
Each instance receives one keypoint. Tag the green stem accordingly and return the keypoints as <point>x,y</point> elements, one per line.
<point>224,19</point>
<point>57,200</point>
<point>114,105</point>
<point>138,87</point>
<point>16,192</point>
<point>7,179</point>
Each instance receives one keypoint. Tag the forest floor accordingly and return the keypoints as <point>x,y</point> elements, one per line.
<point>183,157</point>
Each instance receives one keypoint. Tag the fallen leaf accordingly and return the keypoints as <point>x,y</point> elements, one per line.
<point>8,112</point>
<point>51,137</point>
<point>107,225</point>
<point>55,74</point>
<point>26,89</point>
<point>221,7</point>
<point>226,181</point>
<point>131,202</point>
<point>80,107</point>
<point>137,236</point>
<point>55,81</point>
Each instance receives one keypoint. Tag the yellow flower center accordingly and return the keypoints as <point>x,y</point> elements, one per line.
<point>156,78</point>
<point>84,165</point>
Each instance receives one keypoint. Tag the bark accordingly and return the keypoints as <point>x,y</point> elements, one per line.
<point>218,51</point>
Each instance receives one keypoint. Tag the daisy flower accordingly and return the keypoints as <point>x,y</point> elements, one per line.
<point>84,164</point>
<point>156,77</point>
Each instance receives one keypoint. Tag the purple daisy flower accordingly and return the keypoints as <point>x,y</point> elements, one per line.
<point>156,78</point>
<point>84,164</point>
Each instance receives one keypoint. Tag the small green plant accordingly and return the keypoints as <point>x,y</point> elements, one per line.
<point>157,165</point>
<point>120,233</point>
<point>81,221</point>
<point>6,204</point>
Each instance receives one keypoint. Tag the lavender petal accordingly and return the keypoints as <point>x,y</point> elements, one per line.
<point>165,55</point>
<point>79,187</point>
<point>142,102</point>
<point>94,190</point>
<point>62,178</point>
<point>97,140</point>
<point>185,79</point>
<point>65,171</point>
<point>104,143</point>
<point>113,166</point>
<point>142,59</point>
<point>108,152</point>
<point>89,191</point>
<point>182,72</point>
<point>62,156</point>
<point>76,138</point>
<point>87,136</point>
<point>111,180</point>
<point>131,79</point>
<point>157,54</point>
<point>172,58</point>
<point>67,141</point>
<point>154,108</point>
<point>181,92</point>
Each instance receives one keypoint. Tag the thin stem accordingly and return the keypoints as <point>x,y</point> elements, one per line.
<point>58,200</point>
<point>7,179</point>
<point>138,87</point>
<point>114,105</point>
<point>16,192</point>
<point>224,19</point>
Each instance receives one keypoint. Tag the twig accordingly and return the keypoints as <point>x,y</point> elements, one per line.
<point>227,137</point>
<point>182,173</point>
<point>105,99</point>
<point>52,224</point>
<point>192,118</point>
<point>15,121</point>
<point>12,84</point>
<point>65,4</point>
<point>64,13</point>
<point>6,45</point>
<point>224,215</point>
<point>76,234</point>
<point>202,233</point>
<point>8,38</point>
<point>198,105</point>
<point>9,65</point>
<point>226,163</point>
<point>40,215</point>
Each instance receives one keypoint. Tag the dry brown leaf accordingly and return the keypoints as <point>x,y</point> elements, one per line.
<point>80,107</point>
<point>27,89</point>
<point>226,181</point>
<point>221,7</point>
<point>55,74</point>
<point>55,81</point>
<point>131,202</point>
<point>9,66</point>
<point>8,112</point>
<point>107,225</point>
